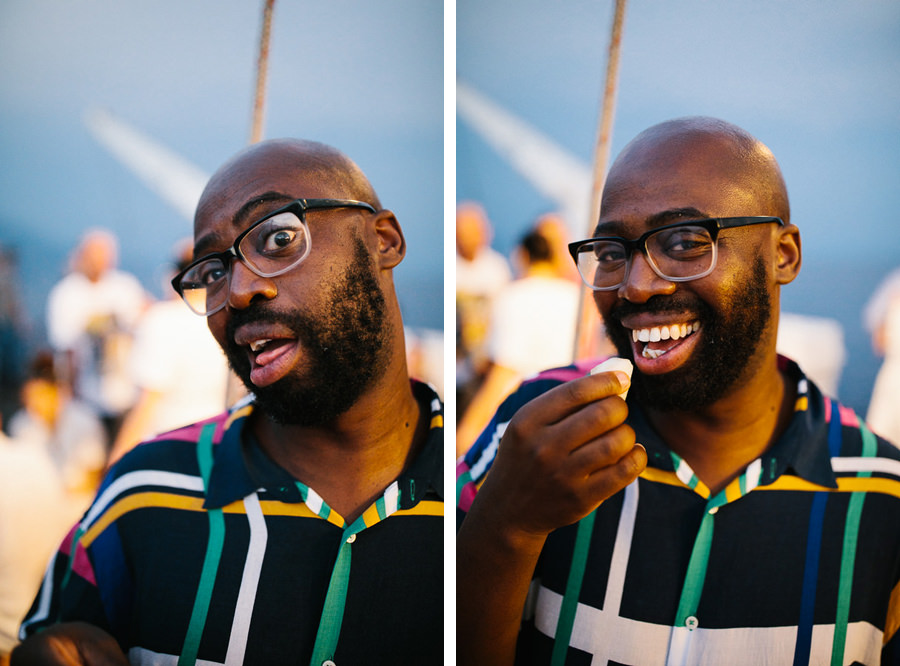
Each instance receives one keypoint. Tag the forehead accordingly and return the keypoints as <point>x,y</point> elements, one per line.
<point>243,193</point>
<point>642,188</point>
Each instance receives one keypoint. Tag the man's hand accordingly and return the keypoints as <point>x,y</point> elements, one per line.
<point>562,454</point>
<point>69,644</point>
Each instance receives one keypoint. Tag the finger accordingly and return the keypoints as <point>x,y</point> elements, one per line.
<point>589,422</point>
<point>561,401</point>
<point>606,482</point>
<point>603,451</point>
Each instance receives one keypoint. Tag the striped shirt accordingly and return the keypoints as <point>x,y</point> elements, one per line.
<point>797,561</point>
<point>200,549</point>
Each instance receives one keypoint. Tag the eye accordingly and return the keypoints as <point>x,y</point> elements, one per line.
<point>609,254</point>
<point>278,240</point>
<point>685,242</point>
<point>208,273</point>
<point>279,236</point>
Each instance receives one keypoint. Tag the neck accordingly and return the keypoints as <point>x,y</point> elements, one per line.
<point>351,461</point>
<point>720,440</point>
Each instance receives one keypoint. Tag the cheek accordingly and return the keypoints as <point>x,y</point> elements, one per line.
<point>216,324</point>
<point>604,300</point>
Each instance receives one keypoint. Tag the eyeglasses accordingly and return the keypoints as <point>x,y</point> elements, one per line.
<point>676,252</point>
<point>269,247</point>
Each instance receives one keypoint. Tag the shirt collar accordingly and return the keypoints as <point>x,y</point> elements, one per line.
<point>802,449</point>
<point>241,467</point>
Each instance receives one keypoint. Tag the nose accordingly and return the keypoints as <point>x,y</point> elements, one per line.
<point>244,286</point>
<point>642,282</point>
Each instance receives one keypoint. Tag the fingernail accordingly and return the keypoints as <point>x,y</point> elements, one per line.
<point>624,379</point>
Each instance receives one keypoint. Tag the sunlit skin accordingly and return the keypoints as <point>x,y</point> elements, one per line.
<point>569,449</point>
<point>351,460</point>
<point>661,179</point>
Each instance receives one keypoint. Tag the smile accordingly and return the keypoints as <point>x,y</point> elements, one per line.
<point>669,333</point>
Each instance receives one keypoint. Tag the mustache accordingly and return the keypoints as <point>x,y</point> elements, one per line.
<point>256,315</point>
<point>657,305</point>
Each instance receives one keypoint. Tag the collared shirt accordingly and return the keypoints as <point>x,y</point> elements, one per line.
<point>198,546</point>
<point>797,561</point>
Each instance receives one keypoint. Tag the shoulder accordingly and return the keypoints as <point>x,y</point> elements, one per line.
<point>175,451</point>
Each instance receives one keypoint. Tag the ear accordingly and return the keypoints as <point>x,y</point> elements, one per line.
<point>788,254</point>
<point>391,245</point>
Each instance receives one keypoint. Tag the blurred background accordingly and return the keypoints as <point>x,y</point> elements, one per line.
<point>818,82</point>
<point>364,77</point>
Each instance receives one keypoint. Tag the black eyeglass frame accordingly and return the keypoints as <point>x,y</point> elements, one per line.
<point>298,207</point>
<point>712,225</point>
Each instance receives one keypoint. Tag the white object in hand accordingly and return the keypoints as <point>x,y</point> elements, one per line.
<point>613,364</point>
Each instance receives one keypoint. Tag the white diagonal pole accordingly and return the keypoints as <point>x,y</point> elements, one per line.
<point>588,322</point>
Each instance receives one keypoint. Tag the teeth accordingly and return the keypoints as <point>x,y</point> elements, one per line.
<point>657,333</point>
<point>652,353</point>
<point>256,345</point>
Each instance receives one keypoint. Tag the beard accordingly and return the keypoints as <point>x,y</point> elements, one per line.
<point>731,338</point>
<point>345,340</point>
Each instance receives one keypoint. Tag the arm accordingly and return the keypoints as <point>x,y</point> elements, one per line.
<point>498,384</point>
<point>69,644</point>
<point>562,454</point>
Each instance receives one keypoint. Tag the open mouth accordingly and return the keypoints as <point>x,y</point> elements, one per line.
<point>659,340</point>
<point>270,358</point>
<point>660,347</point>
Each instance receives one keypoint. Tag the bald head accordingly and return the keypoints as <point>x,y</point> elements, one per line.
<point>731,157</point>
<point>295,159</point>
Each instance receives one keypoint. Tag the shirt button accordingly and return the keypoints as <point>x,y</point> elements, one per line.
<point>328,662</point>
<point>350,539</point>
<point>713,511</point>
<point>691,623</point>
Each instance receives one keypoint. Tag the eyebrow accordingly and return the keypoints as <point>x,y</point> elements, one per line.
<point>244,213</point>
<point>656,220</point>
<point>248,208</point>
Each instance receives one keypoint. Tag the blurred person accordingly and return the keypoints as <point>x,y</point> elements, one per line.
<point>305,526</point>
<point>533,328</point>
<point>425,356</point>
<point>882,320</point>
<point>179,369</point>
<point>91,313</point>
<point>34,516</point>
<point>481,272</point>
<point>12,332</point>
<point>67,428</point>
<point>552,227</point>
<point>724,510</point>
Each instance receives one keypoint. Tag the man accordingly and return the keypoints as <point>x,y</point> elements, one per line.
<point>91,314</point>
<point>756,521</point>
<point>532,327</point>
<point>481,272</point>
<point>306,526</point>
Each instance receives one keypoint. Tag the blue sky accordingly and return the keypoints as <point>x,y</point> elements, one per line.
<point>819,82</point>
<point>365,77</point>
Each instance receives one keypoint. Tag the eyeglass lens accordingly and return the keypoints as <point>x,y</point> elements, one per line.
<point>678,253</point>
<point>272,247</point>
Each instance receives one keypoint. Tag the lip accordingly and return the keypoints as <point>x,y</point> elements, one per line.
<point>276,358</point>
<point>678,353</point>
<point>273,362</point>
<point>248,333</point>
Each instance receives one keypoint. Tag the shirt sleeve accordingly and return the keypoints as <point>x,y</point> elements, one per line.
<point>68,591</point>
<point>87,579</point>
